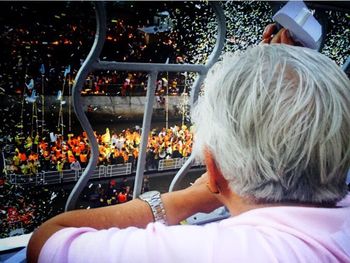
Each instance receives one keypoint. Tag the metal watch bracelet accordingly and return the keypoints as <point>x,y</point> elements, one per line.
<point>153,199</point>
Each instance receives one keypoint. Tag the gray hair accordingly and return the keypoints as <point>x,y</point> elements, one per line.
<point>277,120</point>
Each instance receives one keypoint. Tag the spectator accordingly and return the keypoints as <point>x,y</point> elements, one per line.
<point>122,197</point>
<point>75,165</point>
<point>279,166</point>
<point>146,185</point>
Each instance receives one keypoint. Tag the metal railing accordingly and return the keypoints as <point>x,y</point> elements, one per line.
<point>56,177</point>
<point>93,63</point>
<point>22,179</point>
<point>52,177</point>
<point>169,164</point>
<point>69,175</point>
<point>175,163</point>
<point>101,171</point>
<point>113,170</point>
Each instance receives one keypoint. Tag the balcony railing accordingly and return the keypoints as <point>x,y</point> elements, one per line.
<point>101,171</point>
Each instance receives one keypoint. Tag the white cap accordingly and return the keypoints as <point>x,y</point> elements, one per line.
<point>298,19</point>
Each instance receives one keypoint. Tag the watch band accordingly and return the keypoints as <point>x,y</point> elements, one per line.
<point>153,199</point>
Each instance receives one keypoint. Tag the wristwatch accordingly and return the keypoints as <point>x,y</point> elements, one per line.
<point>153,199</point>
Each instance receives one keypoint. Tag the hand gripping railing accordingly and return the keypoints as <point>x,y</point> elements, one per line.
<point>93,63</point>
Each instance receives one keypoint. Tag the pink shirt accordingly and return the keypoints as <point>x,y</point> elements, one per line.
<point>273,234</point>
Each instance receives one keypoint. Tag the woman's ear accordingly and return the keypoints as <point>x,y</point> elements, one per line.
<point>217,182</point>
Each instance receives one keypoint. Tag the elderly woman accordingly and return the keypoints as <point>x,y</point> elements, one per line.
<point>273,127</point>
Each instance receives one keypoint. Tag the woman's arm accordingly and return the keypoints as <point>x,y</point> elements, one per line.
<point>178,206</point>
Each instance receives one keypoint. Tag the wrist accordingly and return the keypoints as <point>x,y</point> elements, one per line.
<point>154,200</point>
<point>203,201</point>
<point>180,205</point>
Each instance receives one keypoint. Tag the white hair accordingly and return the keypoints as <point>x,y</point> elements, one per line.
<point>277,120</point>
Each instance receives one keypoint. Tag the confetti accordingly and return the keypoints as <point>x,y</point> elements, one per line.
<point>27,44</point>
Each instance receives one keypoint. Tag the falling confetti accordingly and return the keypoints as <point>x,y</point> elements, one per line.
<point>26,44</point>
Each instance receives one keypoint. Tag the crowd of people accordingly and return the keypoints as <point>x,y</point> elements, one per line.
<point>45,56</point>
<point>47,39</point>
<point>23,208</point>
<point>64,39</point>
<point>132,84</point>
<point>28,155</point>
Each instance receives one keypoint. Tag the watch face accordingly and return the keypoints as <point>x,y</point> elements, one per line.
<point>149,194</point>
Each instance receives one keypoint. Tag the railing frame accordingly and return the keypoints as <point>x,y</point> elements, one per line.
<point>101,171</point>
<point>93,63</point>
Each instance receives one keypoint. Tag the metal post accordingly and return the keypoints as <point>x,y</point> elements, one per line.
<point>76,98</point>
<point>167,98</point>
<point>42,104</point>
<point>69,105</point>
<point>146,125</point>
<point>32,123</point>
<point>60,114</point>
<point>184,101</point>
<point>179,175</point>
<point>167,103</point>
<point>4,162</point>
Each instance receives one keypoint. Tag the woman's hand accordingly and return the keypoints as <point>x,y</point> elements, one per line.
<point>282,36</point>
<point>201,181</point>
<point>179,205</point>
